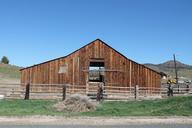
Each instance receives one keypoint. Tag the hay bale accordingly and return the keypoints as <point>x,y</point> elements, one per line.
<point>76,103</point>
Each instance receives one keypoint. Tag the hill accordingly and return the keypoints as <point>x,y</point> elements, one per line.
<point>9,73</point>
<point>168,67</point>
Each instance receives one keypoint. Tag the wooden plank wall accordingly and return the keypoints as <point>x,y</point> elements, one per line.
<point>128,73</point>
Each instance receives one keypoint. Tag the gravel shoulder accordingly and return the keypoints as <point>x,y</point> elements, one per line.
<point>57,120</point>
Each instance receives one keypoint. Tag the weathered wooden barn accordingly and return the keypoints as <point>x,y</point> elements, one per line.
<point>93,63</point>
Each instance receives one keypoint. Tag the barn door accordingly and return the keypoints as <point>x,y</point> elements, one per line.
<point>96,75</point>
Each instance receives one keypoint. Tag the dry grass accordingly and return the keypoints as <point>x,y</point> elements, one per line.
<point>9,73</point>
<point>76,103</point>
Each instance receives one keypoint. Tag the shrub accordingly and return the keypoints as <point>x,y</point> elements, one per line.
<point>5,60</point>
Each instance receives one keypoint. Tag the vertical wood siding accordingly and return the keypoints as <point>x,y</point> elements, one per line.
<point>124,72</point>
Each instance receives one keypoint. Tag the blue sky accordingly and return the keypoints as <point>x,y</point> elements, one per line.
<point>147,31</point>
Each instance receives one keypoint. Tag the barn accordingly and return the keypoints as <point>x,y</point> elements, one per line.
<point>90,65</point>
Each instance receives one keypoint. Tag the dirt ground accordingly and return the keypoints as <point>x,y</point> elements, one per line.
<point>56,120</point>
<point>9,80</point>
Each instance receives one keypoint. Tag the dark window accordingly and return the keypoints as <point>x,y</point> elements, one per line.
<point>96,71</point>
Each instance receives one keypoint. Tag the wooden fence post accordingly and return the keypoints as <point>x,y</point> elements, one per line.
<point>100,92</point>
<point>27,91</point>
<point>136,91</point>
<point>64,92</point>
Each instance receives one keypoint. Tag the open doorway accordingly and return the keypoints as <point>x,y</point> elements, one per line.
<point>96,77</point>
<point>96,71</point>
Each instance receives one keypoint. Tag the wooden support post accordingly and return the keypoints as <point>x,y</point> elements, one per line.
<point>100,92</point>
<point>64,92</point>
<point>136,91</point>
<point>87,85</point>
<point>27,91</point>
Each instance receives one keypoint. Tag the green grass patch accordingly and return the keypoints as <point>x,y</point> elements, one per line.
<point>175,106</point>
<point>29,107</point>
<point>25,107</point>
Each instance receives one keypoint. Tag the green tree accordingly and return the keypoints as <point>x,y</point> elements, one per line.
<point>5,60</point>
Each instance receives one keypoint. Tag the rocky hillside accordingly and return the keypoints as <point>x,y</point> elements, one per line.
<point>168,67</point>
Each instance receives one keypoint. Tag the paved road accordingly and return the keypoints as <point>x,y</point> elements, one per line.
<point>84,126</point>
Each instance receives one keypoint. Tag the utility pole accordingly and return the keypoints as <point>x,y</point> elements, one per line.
<point>176,76</point>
